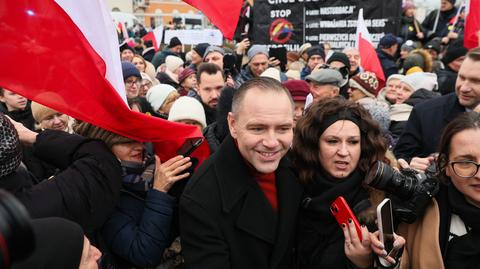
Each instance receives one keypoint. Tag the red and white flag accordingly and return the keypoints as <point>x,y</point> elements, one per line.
<point>472,24</point>
<point>368,55</point>
<point>64,54</point>
<point>223,14</point>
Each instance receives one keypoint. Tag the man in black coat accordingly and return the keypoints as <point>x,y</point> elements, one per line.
<point>386,51</point>
<point>239,210</point>
<point>428,119</point>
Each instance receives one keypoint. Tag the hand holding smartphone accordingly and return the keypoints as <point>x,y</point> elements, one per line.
<point>342,213</point>
<point>189,146</point>
<point>385,228</point>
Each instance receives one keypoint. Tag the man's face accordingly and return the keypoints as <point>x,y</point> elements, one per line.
<point>263,128</point>
<point>322,91</point>
<point>210,87</point>
<point>455,64</point>
<point>446,5</point>
<point>467,86</point>
<point>314,61</point>
<point>354,58</point>
<point>127,55</point>
<point>13,101</point>
<point>215,58</point>
<point>132,86</point>
<point>177,49</point>
<point>196,58</point>
<point>258,64</point>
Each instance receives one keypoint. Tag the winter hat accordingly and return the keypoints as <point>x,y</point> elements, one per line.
<point>293,74</point>
<point>213,49</point>
<point>414,69</point>
<point>339,57</point>
<point>421,80</point>
<point>201,48</point>
<point>173,63</point>
<point>185,74</point>
<point>387,41</point>
<point>299,89</point>
<point>380,114</point>
<point>157,95</point>
<point>91,131</point>
<point>316,51</point>
<point>40,112</point>
<point>433,44</point>
<point>125,46</point>
<point>129,70</point>
<point>303,48</point>
<point>366,82</point>
<point>272,72</point>
<point>408,46</point>
<point>407,5</point>
<point>256,49</point>
<point>145,76</point>
<point>10,149</point>
<point>326,76</point>
<point>453,52</point>
<point>395,76</point>
<point>174,42</point>
<point>188,108</point>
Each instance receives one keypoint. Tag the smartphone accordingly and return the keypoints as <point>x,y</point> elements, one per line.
<point>189,146</point>
<point>342,213</point>
<point>385,227</point>
<point>281,55</point>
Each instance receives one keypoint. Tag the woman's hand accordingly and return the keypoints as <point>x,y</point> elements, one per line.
<point>379,249</point>
<point>166,174</point>
<point>242,46</point>
<point>358,252</point>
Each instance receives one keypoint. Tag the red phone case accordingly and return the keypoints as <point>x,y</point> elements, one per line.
<point>342,212</point>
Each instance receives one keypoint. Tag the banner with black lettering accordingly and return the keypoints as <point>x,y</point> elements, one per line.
<point>291,23</point>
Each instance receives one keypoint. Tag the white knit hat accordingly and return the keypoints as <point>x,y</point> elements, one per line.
<point>157,94</point>
<point>421,80</point>
<point>187,108</point>
<point>272,72</point>
<point>173,62</point>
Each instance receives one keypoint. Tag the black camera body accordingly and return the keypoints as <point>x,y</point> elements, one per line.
<point>411,190</point>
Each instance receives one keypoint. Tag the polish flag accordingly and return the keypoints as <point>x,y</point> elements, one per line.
<point>368,55</point>
<point>223,14</point>
<point>472,24</point>
<point>123,30</point>
<point>150,36</point>
<point>64,54</point>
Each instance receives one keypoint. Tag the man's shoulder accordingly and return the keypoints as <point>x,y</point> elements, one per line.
<point>434,105</point>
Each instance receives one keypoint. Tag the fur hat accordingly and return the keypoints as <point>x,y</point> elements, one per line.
<point>91,131</point>
<point>10,149</point>
<point>188,108</point>
<point>185,74</point>
<point>157,95</point>
<point>173,63</point>
<point>40,112</point>
<point>272,72</point>
<point>129,70</point>
<point>366,82</point>
<point>201,48</point>
<point>174,42</point>
<point>299,89</point>
<point>420,58</point>
<point>256,49</point>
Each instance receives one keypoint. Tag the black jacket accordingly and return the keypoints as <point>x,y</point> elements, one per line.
<point>425,125</point>
<point>388,63</point>
<point>444,20</point>
<point>227,222</point>
<point>86,190</point>
<point>446,80</point>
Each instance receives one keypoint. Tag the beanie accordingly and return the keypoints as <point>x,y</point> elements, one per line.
<point>316,51</point>
<point>366,82</point>
<point>272,72</point>
<point>339,57</point>
<point>91,131</point>
<point>157,95</point>
<point>174,41</point>
<point>408,46</point>
<point>453,52</point>
<point>387,41</point>
<point>408,4</point>
<point>421,80</point>
<point>395,76</point>
<point>256,49</point>
<point>201,48</point>
<point>413,60</point>
<point>213,49</point>
<point>173,63</point>
<point>433,44</point>
<point>125,46</point>
<point>40,112</point>
<point>129,70</point>
<point>299,89</point>
<point>188,108</point>
<point>10,149</point>
<point>185,74</point>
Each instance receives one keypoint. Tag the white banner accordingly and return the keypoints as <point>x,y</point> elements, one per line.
<point>193,37</point>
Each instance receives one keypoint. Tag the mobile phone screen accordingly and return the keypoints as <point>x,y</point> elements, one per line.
<point>387,225</point>
<point>189,146</point>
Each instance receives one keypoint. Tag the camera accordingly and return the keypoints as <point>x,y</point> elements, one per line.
<point>411,191</point>
<point>16,235</point>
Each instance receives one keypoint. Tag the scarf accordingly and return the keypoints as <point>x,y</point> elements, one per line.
<point>138,176</point>
<point>320,237</point>
<point>463,251</point>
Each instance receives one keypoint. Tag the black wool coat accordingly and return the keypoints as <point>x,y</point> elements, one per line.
<point>227,222</point>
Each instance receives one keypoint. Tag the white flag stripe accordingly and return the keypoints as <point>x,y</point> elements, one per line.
<point>362,28</point>
<point>96,23</point>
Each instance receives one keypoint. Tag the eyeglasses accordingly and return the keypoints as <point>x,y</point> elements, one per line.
<point>465,169</point>
<point>129,83</point>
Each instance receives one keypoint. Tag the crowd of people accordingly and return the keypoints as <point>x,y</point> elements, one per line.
<point>286,139</point>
